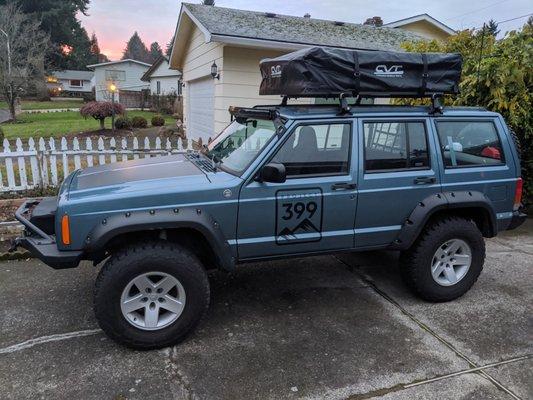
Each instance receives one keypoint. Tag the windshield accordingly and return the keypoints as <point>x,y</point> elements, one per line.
<point>238,145</point>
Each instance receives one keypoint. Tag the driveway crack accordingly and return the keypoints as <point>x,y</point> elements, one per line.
<point>425,327</point>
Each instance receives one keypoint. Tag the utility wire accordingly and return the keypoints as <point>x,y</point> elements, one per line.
<point>504,21</point>
<point>475,11</point>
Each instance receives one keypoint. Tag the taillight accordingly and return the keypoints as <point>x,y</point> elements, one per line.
<point>518,193</point>
<point>65,230</point>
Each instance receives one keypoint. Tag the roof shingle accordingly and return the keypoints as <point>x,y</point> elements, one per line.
<point>290,29</point>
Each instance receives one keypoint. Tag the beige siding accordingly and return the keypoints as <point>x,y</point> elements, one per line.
<point>427,30</point>
<point>239,75</point>
<point>198,58</point>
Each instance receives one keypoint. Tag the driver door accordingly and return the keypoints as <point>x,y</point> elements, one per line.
<point>314,209</point>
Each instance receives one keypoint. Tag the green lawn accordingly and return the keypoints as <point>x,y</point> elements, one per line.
<point>46,105</point>
<point>60,123</point>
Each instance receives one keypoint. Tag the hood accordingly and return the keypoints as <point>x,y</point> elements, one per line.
<point>137,173</point>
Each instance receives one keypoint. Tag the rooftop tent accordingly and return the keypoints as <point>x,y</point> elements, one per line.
<point>328,72</point>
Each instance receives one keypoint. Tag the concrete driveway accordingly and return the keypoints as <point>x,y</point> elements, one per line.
<point>335,327</point>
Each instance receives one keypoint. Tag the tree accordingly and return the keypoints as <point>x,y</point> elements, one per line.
<point>58,19</point>
<point>491,28</point>
<point>168,49</point>
<point>497,76</point>
<point>22,48</point>
<point>95,50</point>
<point>100,110</point>
<point>136,49</point>
<point>155,52</point>
<point>374,21</point>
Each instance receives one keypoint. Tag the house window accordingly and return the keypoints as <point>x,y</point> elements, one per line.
<point>395,145</point>
<point>75,83</point>
<point>158,85</point>
<point>115,75</point>
<point>465,143</point>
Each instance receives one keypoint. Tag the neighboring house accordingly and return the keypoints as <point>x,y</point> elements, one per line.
<point>125,75</point>
<point>424,25</point>
<point>162,79</point>
<point>234,41</point>
<point>70,82</point>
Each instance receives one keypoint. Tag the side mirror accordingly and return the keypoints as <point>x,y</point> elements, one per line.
<point>273,172</point>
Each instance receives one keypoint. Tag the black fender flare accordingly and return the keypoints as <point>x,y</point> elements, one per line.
<point>160,219</point>
<point>425,209</point>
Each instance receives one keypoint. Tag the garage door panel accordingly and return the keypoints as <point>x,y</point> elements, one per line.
<point>201,109</point>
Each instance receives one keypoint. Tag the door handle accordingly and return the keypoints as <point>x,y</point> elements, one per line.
<point>423,180</point>
<point>343,186</point>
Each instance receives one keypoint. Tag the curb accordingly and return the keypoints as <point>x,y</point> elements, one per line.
<point>16,255</point>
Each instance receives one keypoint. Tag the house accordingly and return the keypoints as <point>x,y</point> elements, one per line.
<point>162,79</point>
<point>424,25</point>
<point>218,51</point>
<point>70,82</point>
<point>125,75</point>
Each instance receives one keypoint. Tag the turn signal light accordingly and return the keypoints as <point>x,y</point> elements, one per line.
<point>518,193</point>
<point>65,230</point>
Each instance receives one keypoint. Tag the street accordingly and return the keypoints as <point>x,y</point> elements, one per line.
<point>329,327</point>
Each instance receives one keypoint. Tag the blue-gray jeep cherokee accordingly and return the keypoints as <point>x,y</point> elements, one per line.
<point>283,181</point>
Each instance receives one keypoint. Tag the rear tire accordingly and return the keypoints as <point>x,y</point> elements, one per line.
<point>425,274</point>
<point>151,325</point>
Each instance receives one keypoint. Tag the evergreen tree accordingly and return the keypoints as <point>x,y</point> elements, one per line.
<point>168,49</point>
<point>136,49</point>
<point>491,28</point>
<point>155,52</point>
<point>95,50</point>
<point>58,19</point>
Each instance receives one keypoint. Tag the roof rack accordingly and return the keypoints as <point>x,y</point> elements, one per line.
<point>436,107</point>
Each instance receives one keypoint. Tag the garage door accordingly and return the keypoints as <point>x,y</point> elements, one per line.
<point>201,112</point>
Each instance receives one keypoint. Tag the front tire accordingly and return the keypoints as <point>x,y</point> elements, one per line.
<point>445,261</point>
<point>151,295</point>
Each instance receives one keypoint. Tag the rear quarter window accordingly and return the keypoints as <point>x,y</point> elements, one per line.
<point>469,143</point>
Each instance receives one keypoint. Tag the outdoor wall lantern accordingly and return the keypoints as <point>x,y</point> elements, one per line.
<point>214,71</point>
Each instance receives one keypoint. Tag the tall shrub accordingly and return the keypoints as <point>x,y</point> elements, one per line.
<point>497,75</point>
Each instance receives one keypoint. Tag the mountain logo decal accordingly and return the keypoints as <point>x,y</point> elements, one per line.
<point>298,216</point>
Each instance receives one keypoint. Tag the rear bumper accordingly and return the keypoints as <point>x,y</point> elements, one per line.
<point>42,245</point>
<point>517,219</point>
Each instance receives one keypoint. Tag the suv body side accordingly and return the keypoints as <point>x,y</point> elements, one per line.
<point>382,200</point>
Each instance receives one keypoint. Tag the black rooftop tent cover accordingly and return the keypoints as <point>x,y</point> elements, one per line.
<point>329,72</point>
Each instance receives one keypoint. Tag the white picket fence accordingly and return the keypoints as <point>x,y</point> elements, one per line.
<point>43,164</point>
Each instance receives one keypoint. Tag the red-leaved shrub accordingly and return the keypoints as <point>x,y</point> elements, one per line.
<point>100,110</point>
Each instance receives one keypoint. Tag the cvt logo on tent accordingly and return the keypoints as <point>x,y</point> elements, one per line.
<point>275,71</point>
<point>394,71</point>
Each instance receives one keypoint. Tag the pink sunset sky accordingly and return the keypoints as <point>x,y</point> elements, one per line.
<point>114,21</point>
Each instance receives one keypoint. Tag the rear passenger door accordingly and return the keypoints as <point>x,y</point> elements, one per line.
<point>396,171</point>
<point>476,156</point>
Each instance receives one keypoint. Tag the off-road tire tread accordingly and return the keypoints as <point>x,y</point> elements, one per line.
<point>112,268</point>
<point>414,260</point>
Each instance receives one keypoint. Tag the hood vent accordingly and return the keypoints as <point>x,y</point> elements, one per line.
<point>270,15</point>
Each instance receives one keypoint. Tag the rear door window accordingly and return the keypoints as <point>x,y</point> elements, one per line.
<point>469,143</point>
<point>395,145</point>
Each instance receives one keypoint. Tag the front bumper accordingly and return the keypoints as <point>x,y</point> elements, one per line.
<point>517,219</point>
<point>42,245</point>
